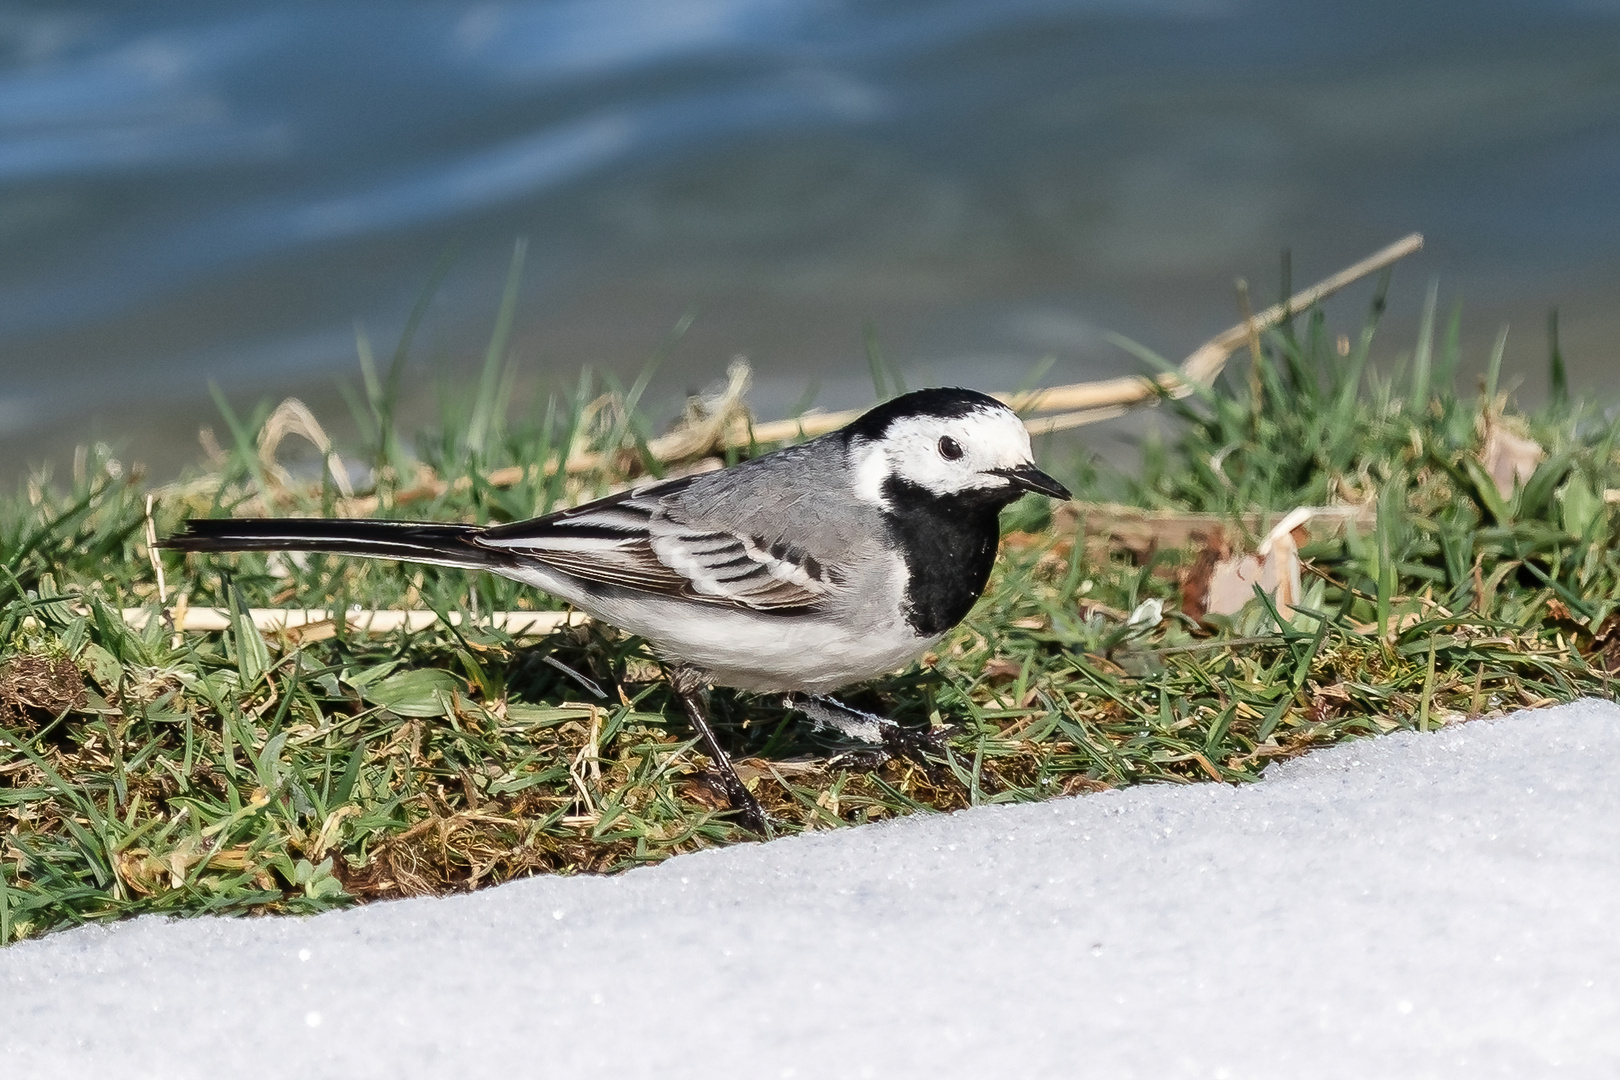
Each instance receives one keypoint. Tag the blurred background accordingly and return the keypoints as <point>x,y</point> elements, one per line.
<point>205,191</point>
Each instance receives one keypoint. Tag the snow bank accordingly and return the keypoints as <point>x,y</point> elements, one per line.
<point>1439,905</point>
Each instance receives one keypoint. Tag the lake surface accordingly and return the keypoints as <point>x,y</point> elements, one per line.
<point>196,191</point>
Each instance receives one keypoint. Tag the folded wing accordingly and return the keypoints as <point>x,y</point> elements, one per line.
<point>642,540</point>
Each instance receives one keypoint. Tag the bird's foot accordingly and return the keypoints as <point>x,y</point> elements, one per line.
<point>750,814</point>
<point>922,745</point>
<point>883,738</point>
<point>688,683</point>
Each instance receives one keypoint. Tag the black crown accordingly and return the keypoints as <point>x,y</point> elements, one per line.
<point>942,402</point>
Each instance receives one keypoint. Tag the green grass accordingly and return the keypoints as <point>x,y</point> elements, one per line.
<point>140,772</point>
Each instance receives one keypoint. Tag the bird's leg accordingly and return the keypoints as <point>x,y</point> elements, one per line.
<point>886,738</point>
<point>687,682</point>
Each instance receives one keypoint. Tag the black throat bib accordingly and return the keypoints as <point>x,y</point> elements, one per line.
<point>949,544</point>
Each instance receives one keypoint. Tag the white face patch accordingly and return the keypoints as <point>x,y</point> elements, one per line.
<point>988,438</point>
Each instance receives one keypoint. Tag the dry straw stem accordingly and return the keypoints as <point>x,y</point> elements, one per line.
<point>1074,405</point>
<point>383,621</point>
<point>1090,402</point>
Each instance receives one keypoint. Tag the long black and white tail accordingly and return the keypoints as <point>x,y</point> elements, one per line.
<point>407,541</point>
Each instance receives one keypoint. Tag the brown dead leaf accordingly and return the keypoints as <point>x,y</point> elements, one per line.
<point>140,872</point>
<point>1001,668</point>
<point>1558,611</point>
<point>1280,554</point>
<point>1509,455</point>
<point>707,791</point>
<point>1197,577</point>
<point>1221,581</point>
<point>1232,582</point>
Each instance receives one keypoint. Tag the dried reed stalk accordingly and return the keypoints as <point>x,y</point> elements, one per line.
<point>1075,405</point>
<point>381,621</point>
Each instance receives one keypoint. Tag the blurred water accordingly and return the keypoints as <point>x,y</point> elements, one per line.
<point>195,191</point>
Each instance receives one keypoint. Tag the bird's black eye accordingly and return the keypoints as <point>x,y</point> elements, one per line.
<point>949,448</point>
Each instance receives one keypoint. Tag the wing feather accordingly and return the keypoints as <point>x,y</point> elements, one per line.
<point>637,540</point>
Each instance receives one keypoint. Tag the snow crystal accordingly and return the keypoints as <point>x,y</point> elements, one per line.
<point>1413,905</point>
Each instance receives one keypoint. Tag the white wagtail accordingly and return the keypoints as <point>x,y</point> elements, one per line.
<point>795,573</point>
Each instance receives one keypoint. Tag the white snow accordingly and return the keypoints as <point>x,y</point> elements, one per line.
<point>1410,906</point>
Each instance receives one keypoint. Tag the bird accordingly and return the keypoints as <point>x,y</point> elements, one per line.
<point>795,573</point>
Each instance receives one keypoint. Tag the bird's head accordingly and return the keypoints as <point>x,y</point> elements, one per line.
<point>948,442</point>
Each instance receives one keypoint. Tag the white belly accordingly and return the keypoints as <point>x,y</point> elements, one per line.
<point>757,651</point>
<point>797,654</point>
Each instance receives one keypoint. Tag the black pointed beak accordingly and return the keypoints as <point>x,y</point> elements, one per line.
<point>1030,478</point>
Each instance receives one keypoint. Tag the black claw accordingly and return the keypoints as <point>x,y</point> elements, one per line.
<point>750,814</point>
<point>925,746</point>
<point>922,745</point>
